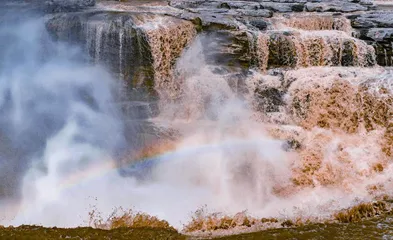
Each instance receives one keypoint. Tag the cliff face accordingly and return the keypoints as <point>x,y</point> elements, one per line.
<point>128,36</point>
<point>141,41</point>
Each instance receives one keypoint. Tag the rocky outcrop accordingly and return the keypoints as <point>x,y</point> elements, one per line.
<point>67,5</point>
<point>110,39</point>
<point>277,5</point>
<point>334,6</point>
<point>140,44</point>
<point>376,28</point>
<point>132,45</point>
<point>381,39</point>
<point>251,34</point>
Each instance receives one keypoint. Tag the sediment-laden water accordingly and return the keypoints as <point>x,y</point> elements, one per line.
<point>219,117</point>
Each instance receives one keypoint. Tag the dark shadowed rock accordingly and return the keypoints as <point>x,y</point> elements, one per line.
<point>259,23</point>
<point>111,39</point>
<point>289,6</point>
<point>380,34</point>
<point>377,29</point>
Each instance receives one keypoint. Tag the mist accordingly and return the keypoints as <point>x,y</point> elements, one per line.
<point>57,112</point>
<point>64,134</point>
<point>63,138</point>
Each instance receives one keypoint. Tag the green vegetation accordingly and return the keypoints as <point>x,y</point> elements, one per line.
<point>368,229</point>
<point>40,233</point>
<point>364,221</point>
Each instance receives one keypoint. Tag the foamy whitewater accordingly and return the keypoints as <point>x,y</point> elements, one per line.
<point>64,138</point>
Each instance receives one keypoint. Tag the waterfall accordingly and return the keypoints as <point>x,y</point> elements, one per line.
<point>167,108</point>
<point>311,48</point>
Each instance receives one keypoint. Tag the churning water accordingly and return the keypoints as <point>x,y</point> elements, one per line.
<point>63,137</point>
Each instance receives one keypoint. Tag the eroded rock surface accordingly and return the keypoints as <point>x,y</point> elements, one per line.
<point>67,5</point>
<point>242,36</point>
<point>376,28</point>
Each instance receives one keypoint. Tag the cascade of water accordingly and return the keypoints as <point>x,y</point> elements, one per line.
<point>313,22</point>
<point>334,151</point>
<point>167,38</point>
<point>311,48</point>
<point>140,48</point>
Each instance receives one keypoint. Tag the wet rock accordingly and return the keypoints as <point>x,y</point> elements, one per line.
<point>227,8</point>
<point>283,7</point>
<point>186,4</point>
<point>291,144</point>
<point>380,34</point>
<point>279,5</point>
<point>348,53</point>
<point>376,28</point>
<point>67,5</point>
<point>228,50</point>
<point>384,53</point>
<point>372,20</point>
<point>205,4</point>
<point>269,92</point>
<point>254,13</point>
<point>240,5</point>
<point>111,39</point>
<point>207,21</point>
<point>269,99</point>
<point>259,24</point>
<point>382,39</point>
<point>120,41</point>
<point>334,6</point>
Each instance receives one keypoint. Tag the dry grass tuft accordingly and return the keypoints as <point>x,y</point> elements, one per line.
<point>362,211</point>
<point>121,218</point>
<point>216,221</point>
<point>288,223</point>
<point>203,223</point>
<point>269,220</point>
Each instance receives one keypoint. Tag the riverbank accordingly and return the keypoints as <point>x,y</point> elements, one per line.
<point>376,228</point>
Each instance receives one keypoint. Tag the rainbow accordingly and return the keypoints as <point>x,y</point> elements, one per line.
<point>143,165</point>
<point>146,164</point>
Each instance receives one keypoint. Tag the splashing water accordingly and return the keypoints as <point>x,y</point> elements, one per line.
<point>62,137</point>
<point>57,119</point>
